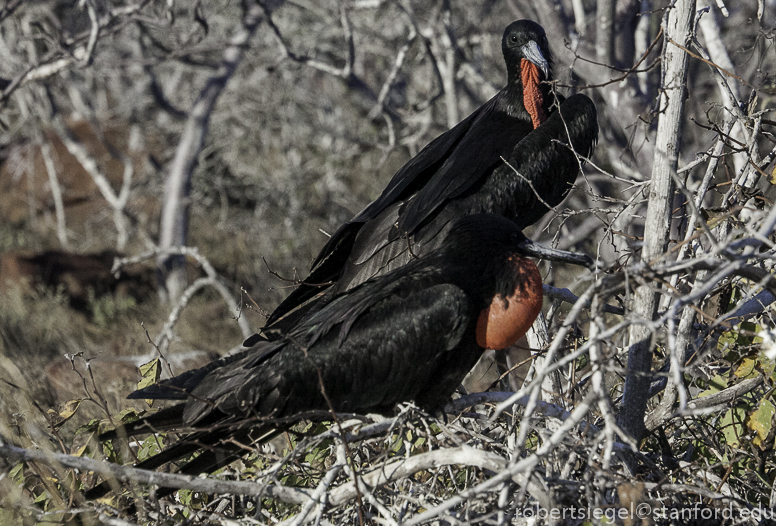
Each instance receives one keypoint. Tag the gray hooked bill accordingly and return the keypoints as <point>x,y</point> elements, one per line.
<point>533,54</point>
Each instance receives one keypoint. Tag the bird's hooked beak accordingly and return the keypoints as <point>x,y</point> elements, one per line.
<point>533,54</point>
<point>536,250</point>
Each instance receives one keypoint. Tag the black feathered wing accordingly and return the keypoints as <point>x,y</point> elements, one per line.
<point>416,173</point>
<point>180,386</point>
<point>408,180</point>
<point>478,153</point>
<point>407,314</point>
<point>407,336</point>
<point>471,179</point>
<point>547,169</point>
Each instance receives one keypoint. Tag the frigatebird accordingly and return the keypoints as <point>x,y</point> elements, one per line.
<point>462,172</point>
<point>410,334</point>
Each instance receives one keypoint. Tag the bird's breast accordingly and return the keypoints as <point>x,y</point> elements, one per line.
<point>502,323</point>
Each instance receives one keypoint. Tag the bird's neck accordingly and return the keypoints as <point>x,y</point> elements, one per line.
<point>512,101</point>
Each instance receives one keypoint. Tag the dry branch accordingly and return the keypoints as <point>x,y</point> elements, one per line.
<point>174,221</point>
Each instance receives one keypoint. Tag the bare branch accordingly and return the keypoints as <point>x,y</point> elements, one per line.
<point>213,280</point>
<point>56,192</point>
<point>164,480</point>
<point>174,221</point>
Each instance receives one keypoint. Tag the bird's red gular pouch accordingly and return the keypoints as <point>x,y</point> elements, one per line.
<point>504,322</point>
<point>532,95</point>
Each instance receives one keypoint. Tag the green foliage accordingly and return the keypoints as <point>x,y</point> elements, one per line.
<point>191,499</point>
<point>736,438</point>
<point>90,427</point>
<point>715,385</point>
<point>150,373</point>
<point>11,517</point>
<point>732,426</point>
<point>761,421</point>
<point>740,341</point>
<point>150,446</point>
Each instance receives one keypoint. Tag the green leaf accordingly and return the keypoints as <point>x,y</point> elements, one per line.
<point>150,446</point>
<point>716,384</point>
<point>110,451</point>
<point>11,517</point>
<point>746,369</point>
<point>129,414</point>
<point>185,496</point>
<point>150,373</point>
<point>17,470</point>
<point>727,340</point>
<point>767,365</point>
<point>761,421</point>
<point>732,424</point>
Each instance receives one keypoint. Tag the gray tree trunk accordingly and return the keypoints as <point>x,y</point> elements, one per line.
<point>657,225</point>
<point>604,37</point>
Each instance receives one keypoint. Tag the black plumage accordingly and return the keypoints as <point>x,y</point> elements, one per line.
<point>411,334</point>
<point>462,172</point>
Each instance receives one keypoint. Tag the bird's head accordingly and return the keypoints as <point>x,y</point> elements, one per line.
<point>526,40</point>
<point>479,235</point>
<point>529,64</point>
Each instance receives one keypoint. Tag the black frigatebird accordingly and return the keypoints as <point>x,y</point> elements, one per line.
<point>410,334</point>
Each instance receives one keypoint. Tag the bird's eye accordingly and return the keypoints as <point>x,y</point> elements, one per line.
<point>513,38</point>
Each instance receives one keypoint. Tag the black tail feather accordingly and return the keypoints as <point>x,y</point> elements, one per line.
<point>164,420</point>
